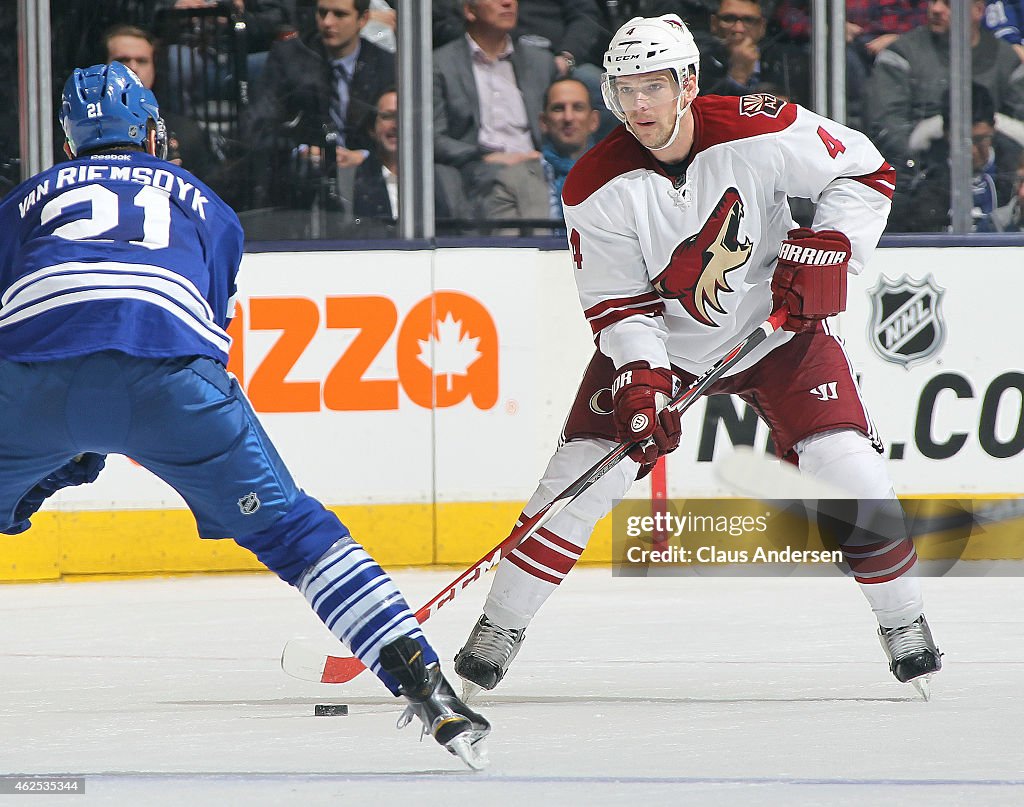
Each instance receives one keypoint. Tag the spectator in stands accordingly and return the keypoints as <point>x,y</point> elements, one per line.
<point>1010,217</point>
<point>265,21</point>
<point>734,58</point>
<point>370,190</point>
<point>533,189</point>
<point>572,30</point>
<point>381,24</point>
<point>910,76</point>
<point>695,13</point>
<point>871,26</point>
<point>925,205</point>
<point>488,96</point>
<point>1005,19</point>
<point>319,92</point>
<point>187,144</point>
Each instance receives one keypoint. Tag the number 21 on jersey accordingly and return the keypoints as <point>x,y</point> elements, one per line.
<point>105,214</point>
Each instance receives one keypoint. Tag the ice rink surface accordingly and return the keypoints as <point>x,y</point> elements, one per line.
<point>698,691</point>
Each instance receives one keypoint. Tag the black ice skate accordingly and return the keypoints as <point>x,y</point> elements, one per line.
<point>432,699</point>
<point>913,656</point>
<point>486,656</point>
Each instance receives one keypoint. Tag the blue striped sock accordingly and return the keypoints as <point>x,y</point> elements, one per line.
<point>361,605</point>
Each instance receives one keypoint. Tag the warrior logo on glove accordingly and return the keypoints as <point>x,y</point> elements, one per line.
<point>810,277</point>
<point>696,274</point>
<point>638,423</point>
<point>640,396</point>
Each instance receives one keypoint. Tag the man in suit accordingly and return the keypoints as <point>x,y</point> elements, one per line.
<point>318,92</point>
<point>369,191</point>
<point>533,189</point>
<point>488,96</point>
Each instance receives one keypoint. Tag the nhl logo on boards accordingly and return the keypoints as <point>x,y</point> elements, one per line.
<point>906,326</point>
<point>761,104</point>
<point>249,503</point>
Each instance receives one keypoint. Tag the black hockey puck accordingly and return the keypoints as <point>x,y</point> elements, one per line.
<point>330,709</point>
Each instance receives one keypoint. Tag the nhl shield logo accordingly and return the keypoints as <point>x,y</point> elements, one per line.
<point>906,320</point>
<point>249,503</point>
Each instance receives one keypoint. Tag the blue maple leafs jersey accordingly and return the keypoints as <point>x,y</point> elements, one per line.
<point>116,252</point>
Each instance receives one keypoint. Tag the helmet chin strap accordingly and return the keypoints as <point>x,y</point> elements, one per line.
<point>680,111</point>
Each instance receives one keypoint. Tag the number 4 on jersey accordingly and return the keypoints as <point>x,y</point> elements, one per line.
<point>577,255</point>
<point>835,147</point>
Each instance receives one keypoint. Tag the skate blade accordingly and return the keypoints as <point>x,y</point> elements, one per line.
<point>474,755</point>
<point>470,691</point>
<point>923,686</point>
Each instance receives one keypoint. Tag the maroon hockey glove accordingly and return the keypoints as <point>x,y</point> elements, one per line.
<point>810,276</point>
<point>639,396</point>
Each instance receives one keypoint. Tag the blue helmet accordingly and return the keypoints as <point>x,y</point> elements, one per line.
<point>106,105</point>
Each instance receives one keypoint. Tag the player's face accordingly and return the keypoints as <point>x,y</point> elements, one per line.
<point>568,119</point>
<point>649,101</point>
<point>385,127</point>
<point>339,25</point>
<point>136,54</point>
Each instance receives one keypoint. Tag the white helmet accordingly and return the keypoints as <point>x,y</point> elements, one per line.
<point>645,45</point>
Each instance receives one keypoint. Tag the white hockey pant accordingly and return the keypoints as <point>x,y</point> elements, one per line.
<point>846,459</point>
<point>522,584</point>
<point>533,571</point>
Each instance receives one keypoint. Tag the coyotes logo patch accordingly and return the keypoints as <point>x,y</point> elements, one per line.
<point>696,272</point>
<point>761,104</point>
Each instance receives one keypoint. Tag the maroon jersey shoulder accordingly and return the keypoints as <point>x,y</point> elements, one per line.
<point>618,153</point>
<point>723,118</point>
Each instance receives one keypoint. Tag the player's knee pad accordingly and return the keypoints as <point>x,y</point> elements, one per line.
<point>846,459</point>
<point>297,540</point>
<point>576,522</point>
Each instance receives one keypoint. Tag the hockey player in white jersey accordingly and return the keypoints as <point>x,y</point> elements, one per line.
<point>683,242</point>
<point>117,283</point>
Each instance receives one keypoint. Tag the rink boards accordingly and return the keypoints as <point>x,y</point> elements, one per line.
<point>420,393</point>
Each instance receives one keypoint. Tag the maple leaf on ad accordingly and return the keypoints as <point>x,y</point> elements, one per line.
<point>453,352</point>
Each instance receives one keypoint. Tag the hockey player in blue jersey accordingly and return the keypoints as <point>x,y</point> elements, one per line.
<point>117,277</point>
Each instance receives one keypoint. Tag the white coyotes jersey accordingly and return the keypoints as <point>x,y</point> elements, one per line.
<point>679,270</point>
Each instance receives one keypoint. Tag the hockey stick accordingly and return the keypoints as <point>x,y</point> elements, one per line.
<point>301,661</point>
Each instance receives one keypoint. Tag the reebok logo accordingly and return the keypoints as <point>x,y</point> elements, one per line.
<point>826,391</point>
<point>809,256</point>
